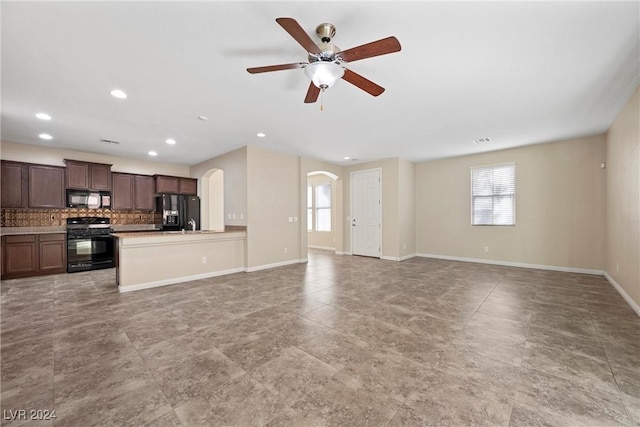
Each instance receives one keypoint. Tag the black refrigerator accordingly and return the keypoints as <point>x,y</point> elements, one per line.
<point>177,211</point>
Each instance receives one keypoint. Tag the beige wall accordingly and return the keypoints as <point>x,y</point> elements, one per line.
<point>407,207</point>
<point>273,195</point>
<point>560,207</point>
<point>623,203</point>
<point>55,157</point>
<point>234,166</point>
<point>323,239</point>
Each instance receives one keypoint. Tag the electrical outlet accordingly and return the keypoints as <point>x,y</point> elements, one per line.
<point>404,246</point>
<point>228,216</point>
<point>290,219</point>
<point>295,219</point>
<point>486,248</point>
<point>204,259</point>
<point>233,216</point>
<point>241,216</point>
<point>285,250</point>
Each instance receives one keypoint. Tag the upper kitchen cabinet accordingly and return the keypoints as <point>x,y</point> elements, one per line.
<point>14,185</point>
<point>46,186</point>
<point>144,195</point>
<point>176,185</point>
<point>88,176</point>
<point>132,192</point>
<point>166,184</point>
<point>188,186</point>
<point>122,194</point>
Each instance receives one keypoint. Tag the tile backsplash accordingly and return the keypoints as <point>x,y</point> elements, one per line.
<point>56,217</point>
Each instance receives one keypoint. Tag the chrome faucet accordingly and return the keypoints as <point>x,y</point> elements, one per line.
<point>192,223</point>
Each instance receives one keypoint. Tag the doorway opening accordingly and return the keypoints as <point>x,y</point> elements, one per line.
<point>212,200</point>
<point>324,211</point>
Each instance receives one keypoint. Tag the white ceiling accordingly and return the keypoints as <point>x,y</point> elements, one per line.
<point>517,72</point>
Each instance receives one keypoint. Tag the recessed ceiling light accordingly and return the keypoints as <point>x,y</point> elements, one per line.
<point>203,118</point>
<point>152,153</point>
<point>117,93</point>
<point>45,136</point>
<point>261,134</point>
<point>347,158</point>
<point>171,141</point>
<point>43,116</point>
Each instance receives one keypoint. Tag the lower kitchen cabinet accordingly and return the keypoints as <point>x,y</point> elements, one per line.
<point>53,253</point>
<point>27,255</point>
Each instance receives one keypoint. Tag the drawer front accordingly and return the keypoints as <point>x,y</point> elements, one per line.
<point>20,238</point>
<point>58,237</point>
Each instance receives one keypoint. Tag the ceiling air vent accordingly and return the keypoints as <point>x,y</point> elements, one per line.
<point>109,141</point>
<point>482,140</point>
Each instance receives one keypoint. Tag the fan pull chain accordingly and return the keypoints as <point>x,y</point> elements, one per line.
<point>322,100</point>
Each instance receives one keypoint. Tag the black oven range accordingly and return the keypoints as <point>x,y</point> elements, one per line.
<point>89,244</point>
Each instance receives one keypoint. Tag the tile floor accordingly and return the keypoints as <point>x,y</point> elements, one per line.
<point>340,341</point>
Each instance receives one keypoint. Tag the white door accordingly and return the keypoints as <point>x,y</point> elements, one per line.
<point>366,214</point>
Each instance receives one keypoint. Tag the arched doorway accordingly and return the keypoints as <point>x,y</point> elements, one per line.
<point>323,216</point>
<point>212,199</point>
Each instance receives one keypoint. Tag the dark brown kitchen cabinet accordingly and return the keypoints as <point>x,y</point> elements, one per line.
<point>88,176</point>
<point>100,176</point>
<point>14,185</point>
<point>52,253</point>
<point>144,195</point>
<point>122,193</point>
<point>33,254</point>
<point>176,185</point>
<point>132,192</point>
<point>20,256</point>
<point>188,186</point>
<point>166,184</point>
<point>46,186</point>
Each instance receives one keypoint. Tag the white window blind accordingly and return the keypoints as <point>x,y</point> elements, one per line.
<point>493,195</point>
<point>323,207</point>
<point>309,208</point>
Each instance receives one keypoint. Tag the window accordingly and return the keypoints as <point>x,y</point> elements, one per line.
<point>309,208</point>
<point>493,195</point>
<point>319,207</point>
<point>323,207</point>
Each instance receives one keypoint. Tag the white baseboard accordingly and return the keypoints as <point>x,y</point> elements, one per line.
<point>624,294</point>
<point>275,264</point>
<point>515,264</point>
<point>326,248</point>
<point>396,258</point>
<point>176,280</point>
<point>343,253</point>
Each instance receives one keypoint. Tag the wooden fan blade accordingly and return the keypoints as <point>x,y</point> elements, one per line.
<point>268,68</point>
<point>377,48</point>
<point>312,94</point>
<point>364,84</point>
<point>294,29</point>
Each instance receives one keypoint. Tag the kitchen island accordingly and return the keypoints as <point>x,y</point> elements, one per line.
<point>158,258</point>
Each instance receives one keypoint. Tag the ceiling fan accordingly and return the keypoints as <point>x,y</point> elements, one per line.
<point>327,62</point>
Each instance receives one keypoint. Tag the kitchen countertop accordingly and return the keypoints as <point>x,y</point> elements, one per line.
<point>134,227</point>
<point>7,231</point>
<point>228,229</point>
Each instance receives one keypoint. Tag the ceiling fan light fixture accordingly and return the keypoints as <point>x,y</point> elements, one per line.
<point>324,74</point>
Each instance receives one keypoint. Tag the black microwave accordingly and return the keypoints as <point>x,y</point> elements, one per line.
<point>87,199</point>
